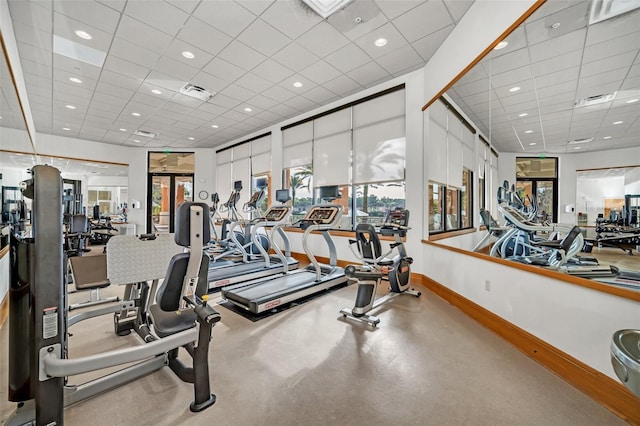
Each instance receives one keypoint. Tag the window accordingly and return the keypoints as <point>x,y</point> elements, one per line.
<point>300,181</point>
<point>262,181</point>
<point>450,208</point>
<point>360,148</point>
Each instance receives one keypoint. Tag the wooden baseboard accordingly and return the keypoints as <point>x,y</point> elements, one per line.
<point>4,309</point>
<point>600,387</point>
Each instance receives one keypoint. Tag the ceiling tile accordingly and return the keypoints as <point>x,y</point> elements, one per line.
<point>175,49</point>
<point>133,53</point>
<point>423,20</point>
<point>227,16</point>
<point>165,81</point>
<point>623,60</point>
<point>203,35</point>
<point>255,6</point>
<point>358,19</point>
<point>158,14</point>
<point>568,20</point>
<point>224,101</point>
<point>307,84</point>
<point>209,110</point>
<point>117,5</point>
<point>33,37</point>
<point>223,69</point>
<point>295,57</point>
<point>142,34</point>
<point>186,5</point>
<point>610,48</point>
<point>181,71</point>
<point>263,102</point>
<point>368,73</point>
<point>263,37</point>
<point>458,8</point>
<point>348,58</point>
<point>558,46</point>
<point>395,40</point>
<point>35,54</point>
<point>253,82</point>
<point>510,61</point>
<point>557,63</point>
<point>100,16</point>
<point>394,8</point>
<point>110,89</point>
<point>272,71</point>
<point>291,17</point>
<point>322,39</point>
<point>320,72</point>
<point>237,92</point>
<point>320,95</point>
<point>278,93</point>
<point>342,85</point>
<point>209,82</point>
<point>65,27</point>
<point>399,60</point>
<point>613,28</point>
<point>241,55</point>
<point>120,80</point>
<point>427,46</point>
<point>30,14</point>
<point>115,64</point>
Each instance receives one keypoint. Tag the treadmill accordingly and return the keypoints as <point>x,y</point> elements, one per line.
<point>262,265</point>
<point>263,295</point>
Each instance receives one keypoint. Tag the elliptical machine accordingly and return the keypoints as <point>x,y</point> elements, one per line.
<point>377,266</point>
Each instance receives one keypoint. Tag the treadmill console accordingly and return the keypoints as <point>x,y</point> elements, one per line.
<point>276,214</point>
<point>395,222</point>
<point>325,215</point>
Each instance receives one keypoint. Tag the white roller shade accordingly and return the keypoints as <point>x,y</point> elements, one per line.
<point>241,151</point>
<point>261,145</point>
<point>468,137</point>
<point>332,149</point>
<point>379,152</point>
<point>436,155</point>
<point>260,163</point>
<point>379,139</point>
<point>223,157</point>
<point>298,134</point>
<point>454,161</point>
<point>297,155</point>
<point>468,158</point>
<point>241,171</point>
<point>223,181</point>
<point>331,160</point>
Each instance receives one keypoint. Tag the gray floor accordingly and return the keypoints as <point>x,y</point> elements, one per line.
<point>426,364</point>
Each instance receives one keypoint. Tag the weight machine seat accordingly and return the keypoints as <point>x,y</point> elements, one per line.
<point>563,244</point>
<point>89,272</point>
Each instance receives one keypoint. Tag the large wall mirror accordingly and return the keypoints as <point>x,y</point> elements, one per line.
<point>565,85</point>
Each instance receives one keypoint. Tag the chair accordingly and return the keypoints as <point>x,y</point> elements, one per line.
<point>181,301</point>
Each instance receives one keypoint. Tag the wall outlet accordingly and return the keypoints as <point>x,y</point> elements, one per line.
<point>487,285</point>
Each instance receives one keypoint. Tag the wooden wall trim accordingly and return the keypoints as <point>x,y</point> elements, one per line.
<point>339,233</point>
<point>549,273</point>
<point>4,251</point>
<point>449,234</point>
<point>4,309</point>
<point>602,388</point>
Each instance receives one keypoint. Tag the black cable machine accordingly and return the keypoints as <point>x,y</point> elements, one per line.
<point>38,350</point>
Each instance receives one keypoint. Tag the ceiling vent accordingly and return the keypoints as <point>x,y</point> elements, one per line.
<point>579,141</point>
<point>595,100</point>
<point>326,8</point>
<point>196,92</point>
<point>605,9</point>
<point>144,133</point>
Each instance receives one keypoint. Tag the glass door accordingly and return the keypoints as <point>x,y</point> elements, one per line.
<point>546,196</point>
<point>166,193</point>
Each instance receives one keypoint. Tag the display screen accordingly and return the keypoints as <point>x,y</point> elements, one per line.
<point>275,214</point>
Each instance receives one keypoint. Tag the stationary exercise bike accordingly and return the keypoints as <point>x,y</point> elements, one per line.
<point>377,266</point>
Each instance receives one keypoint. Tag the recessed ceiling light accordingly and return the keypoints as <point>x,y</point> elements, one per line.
<point>215,126</point>
<point>123,130</point>
<point>524,114</point>
<point>70,106</point>
<point>191,139</point>
<point>577,147</point>
<point>528,131</point>
<point>83,34</point>
<point>188,55</point>
<point>247,109</point>
<point>631,101</point>
<point>135,114</point>
<point>618,122</point>
<point>514,89</point>
<point>380,42</point>
<point>532,144</point>
<point>607,137</point>
<point>297,84</point>
<point>66,128</point>
<point>501,45</point>
<point>136,140</point>
<point>156,91</point>
<point>555,25</point>
<point>75,80</point>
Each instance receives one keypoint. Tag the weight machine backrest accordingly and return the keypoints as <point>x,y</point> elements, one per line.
<point>368,242</point>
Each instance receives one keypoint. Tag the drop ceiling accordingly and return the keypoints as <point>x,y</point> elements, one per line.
<point>557,59</point>
<point>250,53</point>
